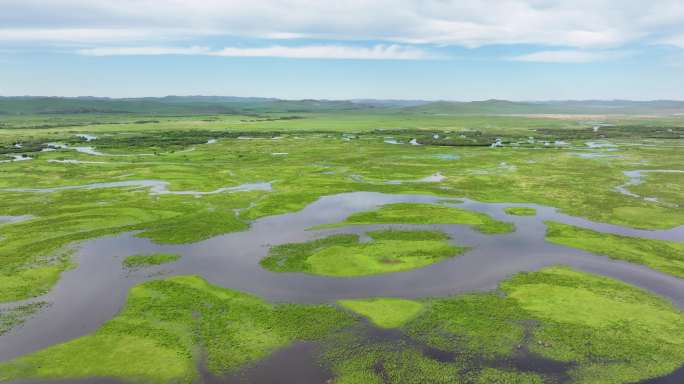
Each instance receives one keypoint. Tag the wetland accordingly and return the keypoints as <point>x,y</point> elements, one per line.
<point>238,249</point>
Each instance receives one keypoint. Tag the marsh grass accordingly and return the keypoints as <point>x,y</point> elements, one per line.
<point>608,332</point>
<point>166,323</point>
<point>661,255</point>
<point>605,330</point>
<point>319,163</point>
<point>521,211</point>
<point>12,317</point>
<point>385,312</point>
<point>140,261</point>
<point>418,213</point>
<point>344,255</point>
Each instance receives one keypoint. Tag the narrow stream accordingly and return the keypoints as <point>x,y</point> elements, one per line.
<point>636,178</point>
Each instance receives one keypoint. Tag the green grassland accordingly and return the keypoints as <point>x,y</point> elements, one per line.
<point>344,255</point>
<point>664,256</point>
<point>608,332</point>
<point>413,213</point>
<point>139,261</point>
<point>385,312</point>
<point>167,326</point>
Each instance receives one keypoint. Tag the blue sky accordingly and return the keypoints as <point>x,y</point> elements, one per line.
<point>399,49</point>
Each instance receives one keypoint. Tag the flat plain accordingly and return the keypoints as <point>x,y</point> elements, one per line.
<point>367,244</point>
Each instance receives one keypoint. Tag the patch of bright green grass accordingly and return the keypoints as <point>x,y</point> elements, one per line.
<point>29,282</point>
<point>617,333</point>
<point>138,261</point>
<point>203,224</point>
<point>664,256</point>
<point>417,213</point>
<point>521,211</point>
<point>166,323</point>
<point>344,255</point>
<point>385,312</point>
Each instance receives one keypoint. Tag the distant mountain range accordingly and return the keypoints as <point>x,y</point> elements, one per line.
<point>660,107</point>
<point>254,105</point>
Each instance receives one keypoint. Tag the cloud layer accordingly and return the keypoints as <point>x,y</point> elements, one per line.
<point>376,52</point>
<point>569,56</point>
<point>469,23</point>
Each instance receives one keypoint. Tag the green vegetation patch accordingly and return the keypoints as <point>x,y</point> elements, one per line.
<point>664,256</point>
<point>521,211</point>
<point>593,329</point>
<point>166,323</point>
<point>385,312</point>
<point>195,227</point>
<point>418,213</point>
<point>355,362</point>
<point>344,255</point>
<point>484,325</point>
<point>139,261</point>
<point>613,332</point>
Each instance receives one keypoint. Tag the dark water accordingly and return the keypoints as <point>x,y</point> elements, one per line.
<point>95,291</point>
<point>676,377</point>
<point>296,363</point>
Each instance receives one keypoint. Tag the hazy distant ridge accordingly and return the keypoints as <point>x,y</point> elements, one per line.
<point>232,104</point>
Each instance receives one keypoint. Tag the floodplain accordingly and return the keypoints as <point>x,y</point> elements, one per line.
<point>341,244</point>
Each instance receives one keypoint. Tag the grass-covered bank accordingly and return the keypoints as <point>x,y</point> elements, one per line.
<point>416,213</point>
<point>385,312</point>
<point>664,256</point>
<point>167,325</point>
<point>343,255</point>
<point>606,331</point>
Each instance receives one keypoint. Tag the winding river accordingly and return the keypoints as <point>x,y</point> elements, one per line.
<point>93,292</point>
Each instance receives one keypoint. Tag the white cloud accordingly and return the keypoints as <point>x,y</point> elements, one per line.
<point>677,41</point>
<point>143,51</point>
<point>376,52</point>
<point>71,35</point>
<point>471,23</point>
<point>569,56</point>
